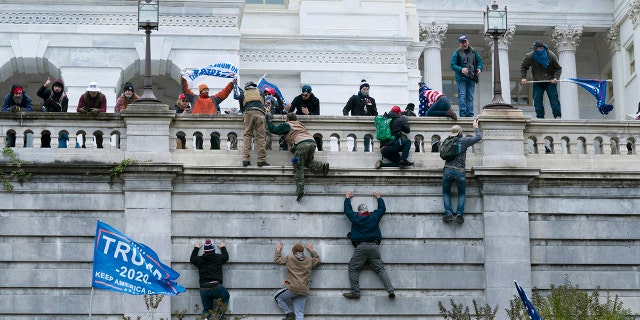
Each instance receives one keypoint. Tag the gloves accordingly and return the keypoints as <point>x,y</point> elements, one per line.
<point>269,117</point>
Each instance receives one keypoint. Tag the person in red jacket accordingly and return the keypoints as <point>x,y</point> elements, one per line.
<point>203,103</point>
<point>92,101</point>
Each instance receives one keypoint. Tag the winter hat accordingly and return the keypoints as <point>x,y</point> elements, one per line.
<point>17,90</point>
<point>93,87</point>
<point>208,246</point>
<point>462,39</point>
<point>182,96</point>
<point>297,248</point>
<point>306,88</point>
<point>250,85</point>
<point>537,44</point>
<point>410,106</point>
<point>396,109</point>
<point>363,83</point>
<point>128,86</point>
<point>455,130</point>
<point>202,87</point>
<point>421,84</point>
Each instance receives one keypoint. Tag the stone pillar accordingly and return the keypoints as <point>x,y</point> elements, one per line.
<point>433,36</point>
<point>147,219</point>
<point>503,51</point>
<point>148,131</point>
<point>617,74</point>
<point>504,176</point>
<point>567,39</point>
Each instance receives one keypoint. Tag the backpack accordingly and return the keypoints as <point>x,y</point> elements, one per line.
<point>450,148</point>
<point>383,128</point>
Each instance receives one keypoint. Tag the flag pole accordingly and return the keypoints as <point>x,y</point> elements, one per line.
<point>91,303</point>
<point>559,80</point>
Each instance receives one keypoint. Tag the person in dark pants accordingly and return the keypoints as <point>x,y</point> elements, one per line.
<point>365,236</point>
<point>546,69</point>
<point>454,172</point>
<point>215,297</point>
<point>397,149</point>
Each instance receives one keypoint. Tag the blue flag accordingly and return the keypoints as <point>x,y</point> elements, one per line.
<point>533,314</point>
<point>598,88</point>
<point>123,265</point>
<point>264,84</point>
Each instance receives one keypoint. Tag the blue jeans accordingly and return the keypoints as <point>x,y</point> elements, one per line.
<point>398,150</point>
<point>466,87</point>
<point>450,176</point>
<point>440,108</point>
<point>552,93</point>
<point>210,299</point>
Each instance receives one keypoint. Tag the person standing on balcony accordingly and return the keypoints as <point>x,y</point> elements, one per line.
<point>303,149</point>
<point>306,103</point>
<point>128,96</point>
<point>203,103</point>
<point>361,104</point>
<point>434,103</point>
<point>92,101</point>
<point>55,99</point>
<point>467,65</point>
<point>296,287</point>
<point>365,236</point>
<point>454,172</point>
<point>182,106</point>
<point>397,148</point>
<point>17,100</point>
<point>214,296</point>
<point>252,105</point>
<point>546,69</point>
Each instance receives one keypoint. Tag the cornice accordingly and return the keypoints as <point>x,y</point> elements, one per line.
<point>114,19</point>
<point>321,57</point>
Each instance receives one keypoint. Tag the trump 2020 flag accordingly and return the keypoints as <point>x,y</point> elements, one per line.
<point>123,265</point>
<point>533,313</point>
<point>264,84</point>
<point>598,88</point>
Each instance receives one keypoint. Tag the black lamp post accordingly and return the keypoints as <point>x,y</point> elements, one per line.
<point>148,17</point>
<point>495,24</point>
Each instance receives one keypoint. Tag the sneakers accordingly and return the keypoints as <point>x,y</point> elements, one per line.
<point>378,164</point>
<point>392,294</point>
<point>447,218</point>
<point>263,164</point>
<point>460,219</point>
<point>301,195</point>
<point>246,163</point>
<point>451,114</point>
<point>325,169</point>
<point>404,164</point>
<point>351,295</point>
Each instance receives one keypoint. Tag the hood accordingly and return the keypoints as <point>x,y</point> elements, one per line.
<point>60,82</point>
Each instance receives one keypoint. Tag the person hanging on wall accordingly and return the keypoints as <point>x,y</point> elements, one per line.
<point>296,287</point>
<point>214,296</point>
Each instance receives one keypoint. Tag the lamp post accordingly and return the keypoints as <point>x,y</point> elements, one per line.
<point>495,24</point>
<point>148,17</point>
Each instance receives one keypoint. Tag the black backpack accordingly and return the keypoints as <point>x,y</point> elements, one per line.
<point>450,148</point>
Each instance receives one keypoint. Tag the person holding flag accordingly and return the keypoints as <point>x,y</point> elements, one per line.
<point>546,71</point>
<point>203,103</point>
<point>215,297</point>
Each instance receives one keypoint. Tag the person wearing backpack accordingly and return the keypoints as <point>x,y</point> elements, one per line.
<point>454,171</point>
<point>396,149</point>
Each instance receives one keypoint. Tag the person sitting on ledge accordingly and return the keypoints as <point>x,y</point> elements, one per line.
<point>396,149</point>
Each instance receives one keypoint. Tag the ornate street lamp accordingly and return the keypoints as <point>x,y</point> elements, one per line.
<point>495,24</point>
<point>148,17</point>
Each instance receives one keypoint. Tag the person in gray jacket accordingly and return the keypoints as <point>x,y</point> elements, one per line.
<point>454,172</point>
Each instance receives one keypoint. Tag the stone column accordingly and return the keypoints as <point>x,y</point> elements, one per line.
<point>567,39</point>
<point>617,74</point>
<point>504,176</point>
<point>433,36</point>
<point>148,131</point>
<point>503,51</point>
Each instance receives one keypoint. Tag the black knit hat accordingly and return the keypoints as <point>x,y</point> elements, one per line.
<point>128,86</point>
<point>363,83</point>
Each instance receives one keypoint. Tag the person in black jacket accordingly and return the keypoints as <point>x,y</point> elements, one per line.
<point>361,104</point>
<point>55,100</point>
<point>397,149</point>
<point>215,297</point>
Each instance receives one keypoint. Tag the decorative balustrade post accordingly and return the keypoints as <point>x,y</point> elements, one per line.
<point>148,131</point>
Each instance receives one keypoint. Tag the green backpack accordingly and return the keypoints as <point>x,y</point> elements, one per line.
<point>383,128</point>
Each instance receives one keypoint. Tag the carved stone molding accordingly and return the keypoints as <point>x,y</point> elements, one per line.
<point>632,9</point>
<point>613,38</point>
<point>433,34</point>
<point>113,19</point>
<point>502,134</point>
<point>321,57</point>
<point>567,37</point>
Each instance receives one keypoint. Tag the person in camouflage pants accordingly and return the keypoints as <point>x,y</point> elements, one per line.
<point>304,148</point>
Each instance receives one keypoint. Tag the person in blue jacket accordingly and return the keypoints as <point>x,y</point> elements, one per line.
<point>365,236</point>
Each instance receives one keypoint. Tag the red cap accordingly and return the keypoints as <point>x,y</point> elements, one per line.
<point>17,90</point>
<point>396,109</point>
<point>182,96</point>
